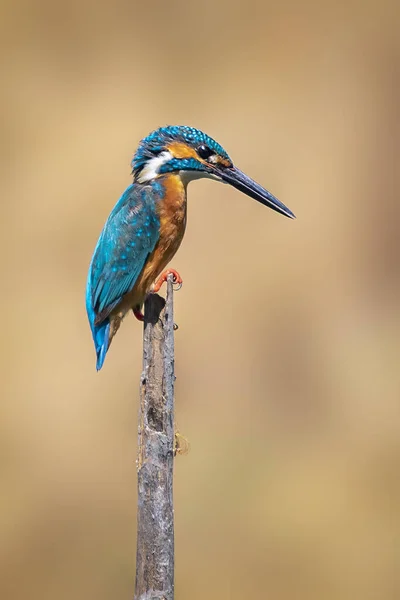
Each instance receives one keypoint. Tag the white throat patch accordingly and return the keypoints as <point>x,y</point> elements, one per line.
<point>151,168</point>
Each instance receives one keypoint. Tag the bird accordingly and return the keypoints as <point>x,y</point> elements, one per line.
<point>146,226</point>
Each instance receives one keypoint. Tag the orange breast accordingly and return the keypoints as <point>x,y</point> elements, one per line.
<point>172,214</point>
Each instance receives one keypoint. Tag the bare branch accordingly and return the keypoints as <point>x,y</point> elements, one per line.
<point>155,517</point>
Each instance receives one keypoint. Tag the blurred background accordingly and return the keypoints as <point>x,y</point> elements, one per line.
<point>287,353</point>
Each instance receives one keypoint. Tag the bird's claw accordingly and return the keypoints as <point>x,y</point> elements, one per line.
<point>176,281</point>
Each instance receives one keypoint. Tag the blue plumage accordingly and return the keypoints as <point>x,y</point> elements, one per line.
<point>128,237</point>
<point>181,164</point>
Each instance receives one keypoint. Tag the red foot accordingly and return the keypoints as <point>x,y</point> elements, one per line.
<point>163,277</point>
<point>138,314</point>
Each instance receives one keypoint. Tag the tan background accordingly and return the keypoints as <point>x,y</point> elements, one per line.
<point>288,349</point>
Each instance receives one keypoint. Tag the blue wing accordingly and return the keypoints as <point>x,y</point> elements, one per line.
<point>128,237</point>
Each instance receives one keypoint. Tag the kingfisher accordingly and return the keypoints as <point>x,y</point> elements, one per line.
<point>146,226</point>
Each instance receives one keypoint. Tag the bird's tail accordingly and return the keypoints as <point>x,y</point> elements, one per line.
<point>100,332</point>
<point>101,338</point>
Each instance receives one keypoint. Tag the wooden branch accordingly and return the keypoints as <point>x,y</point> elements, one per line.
<point>155,516</point>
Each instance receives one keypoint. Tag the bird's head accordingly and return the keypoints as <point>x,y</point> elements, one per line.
<point>193,154</point>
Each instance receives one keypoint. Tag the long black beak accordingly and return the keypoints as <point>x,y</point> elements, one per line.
<point>241,182</point>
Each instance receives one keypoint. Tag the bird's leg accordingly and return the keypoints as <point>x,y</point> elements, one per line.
<point>177,280</point>
<point>163,277</point>
<point>138,313</point>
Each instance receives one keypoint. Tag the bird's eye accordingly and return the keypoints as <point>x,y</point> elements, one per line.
<point>204,152</point>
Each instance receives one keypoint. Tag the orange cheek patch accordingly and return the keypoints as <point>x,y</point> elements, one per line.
<point>181,150</point>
